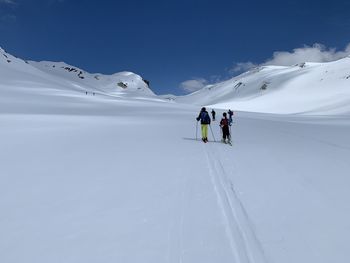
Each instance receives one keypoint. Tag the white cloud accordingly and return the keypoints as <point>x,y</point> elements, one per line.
<point>243,66</point>
<point>314,53</point>
<point>193,85</point>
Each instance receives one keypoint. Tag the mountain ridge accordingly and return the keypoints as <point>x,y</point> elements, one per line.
<point>304,88</point>
<point>117,83</point>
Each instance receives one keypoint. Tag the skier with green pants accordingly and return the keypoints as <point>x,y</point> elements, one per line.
<point>205,121</point>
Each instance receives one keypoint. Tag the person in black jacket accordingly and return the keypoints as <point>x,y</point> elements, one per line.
<point>205,121</point>
<point>213,113</point>
<point>224,124</point>
<point>230,114</point>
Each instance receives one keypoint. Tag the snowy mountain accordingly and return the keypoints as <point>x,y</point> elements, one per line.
<point>66,77</point>
<point>43,86</point>
<point>306,88</point>
<point>126,82</point>
<point>120,176</point>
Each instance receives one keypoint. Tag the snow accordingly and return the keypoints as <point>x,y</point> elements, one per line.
<point>308,89</point>
<point>96,82</point>
<point>120,177</point>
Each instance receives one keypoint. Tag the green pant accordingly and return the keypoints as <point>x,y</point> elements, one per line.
<point>204,131</point>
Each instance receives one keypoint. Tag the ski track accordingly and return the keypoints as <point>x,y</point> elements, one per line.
<point>176,248</point>
<point>182,220</point>
<point>245,246</point>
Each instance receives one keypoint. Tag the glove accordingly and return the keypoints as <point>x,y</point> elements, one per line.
<point>197,119</point>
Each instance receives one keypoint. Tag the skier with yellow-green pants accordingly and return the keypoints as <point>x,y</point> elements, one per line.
<point>205,122</point>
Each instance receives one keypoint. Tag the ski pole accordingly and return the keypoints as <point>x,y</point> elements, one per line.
<point>212,132</point>
<point>221,133</point>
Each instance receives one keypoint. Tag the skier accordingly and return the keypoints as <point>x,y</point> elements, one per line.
<point>224,124</point>
<point>230,113</point>
<point>205,121</point>
<point>213,114</point>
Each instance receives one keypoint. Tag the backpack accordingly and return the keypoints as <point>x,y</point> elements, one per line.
<point>205,117</point>
<point>224,122</point>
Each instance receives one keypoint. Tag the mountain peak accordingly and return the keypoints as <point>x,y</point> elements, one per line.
<point>60,72</point>
<point>321,89</point>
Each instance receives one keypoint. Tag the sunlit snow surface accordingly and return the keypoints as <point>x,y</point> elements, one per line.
<point>121,178</point>
<point>307,88</point>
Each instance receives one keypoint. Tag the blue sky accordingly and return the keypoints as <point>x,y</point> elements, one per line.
<point>178,45</point>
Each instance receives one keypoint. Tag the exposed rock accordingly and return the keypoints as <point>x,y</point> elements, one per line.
<point>122,85</point>
<point>301,65</point>
<point>265,85</point>
<point>147,82</point>
<point>237,85</point>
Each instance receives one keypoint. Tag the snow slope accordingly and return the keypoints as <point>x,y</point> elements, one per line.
<point>114,178</point>
<point>129,183</point>
<point>36,82</point>
<point>127,82</point>
<point>307,88</point>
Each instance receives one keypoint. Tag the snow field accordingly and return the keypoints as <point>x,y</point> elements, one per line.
<point>131,184</point>
<point>119,177</point>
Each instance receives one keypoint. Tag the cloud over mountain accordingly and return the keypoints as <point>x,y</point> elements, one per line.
<point>315,53</point>
<point>193,85</point>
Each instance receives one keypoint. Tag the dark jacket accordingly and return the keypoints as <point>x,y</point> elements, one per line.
<point>230,113</point>
<point>224,122</point>
<point>204,117</point>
